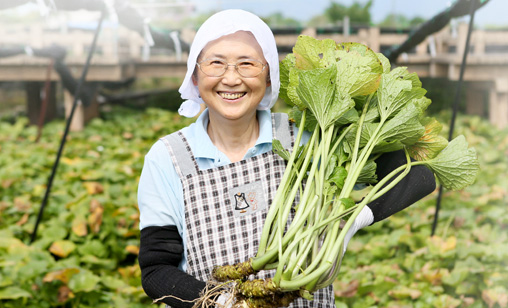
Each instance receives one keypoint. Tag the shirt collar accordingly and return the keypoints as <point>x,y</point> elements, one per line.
<point>203,144</point>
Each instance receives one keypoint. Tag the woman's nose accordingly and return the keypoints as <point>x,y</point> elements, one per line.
<point>231,76</point>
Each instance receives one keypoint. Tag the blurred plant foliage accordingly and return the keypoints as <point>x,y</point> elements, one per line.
<point>396,262</point>
<point>85,254</point>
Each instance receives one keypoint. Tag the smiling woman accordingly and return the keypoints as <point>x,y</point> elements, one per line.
<point>205,191</point>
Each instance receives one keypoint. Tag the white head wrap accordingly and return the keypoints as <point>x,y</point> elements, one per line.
<point>224,23</point>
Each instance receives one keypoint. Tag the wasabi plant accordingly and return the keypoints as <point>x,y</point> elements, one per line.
<point>355,107</point>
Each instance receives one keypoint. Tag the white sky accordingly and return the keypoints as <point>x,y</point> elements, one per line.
<point>493,13</point>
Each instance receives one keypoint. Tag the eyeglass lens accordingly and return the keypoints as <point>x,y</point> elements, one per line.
<point>217,67</point>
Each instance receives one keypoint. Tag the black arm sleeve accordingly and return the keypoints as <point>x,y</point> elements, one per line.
<point>418,183</point>
<point>160,253</point>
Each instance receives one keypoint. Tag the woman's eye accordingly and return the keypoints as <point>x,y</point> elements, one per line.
<point>216,62</point>
<point>246,63</point>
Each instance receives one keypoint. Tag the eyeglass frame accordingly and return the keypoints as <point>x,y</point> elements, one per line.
<point>228,65</point>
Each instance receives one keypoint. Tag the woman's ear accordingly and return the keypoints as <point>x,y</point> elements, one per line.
<point>194,80</point>
<point>268,80</point>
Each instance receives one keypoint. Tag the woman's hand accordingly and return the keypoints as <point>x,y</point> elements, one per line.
<point>364,218</point>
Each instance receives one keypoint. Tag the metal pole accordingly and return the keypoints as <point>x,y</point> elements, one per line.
<point>69,119</point>
<point>44,105</point>
<point>456,102</point>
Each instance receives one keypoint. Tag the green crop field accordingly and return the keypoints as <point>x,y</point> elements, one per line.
<point>85,254</point>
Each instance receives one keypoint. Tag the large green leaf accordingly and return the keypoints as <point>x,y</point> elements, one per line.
<point>292,86</point>
<point>456,166</point>
<point>351,116</point>
<point>338,176</point>
<point>404,126</point>
<point>395,92</point>
<point>384,62</point>
<point>311,53</point>
<point>316,89</point>
<point>284,68</point>
<point>431,143</point>
<point>359,69</point>
<point>84,281</point>
<point>368,173</point>
<point>13,293</point>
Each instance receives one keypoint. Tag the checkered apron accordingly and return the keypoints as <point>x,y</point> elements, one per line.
<point>225,207</point>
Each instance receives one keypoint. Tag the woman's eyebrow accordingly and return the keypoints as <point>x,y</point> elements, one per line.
<point>216,55</point>
<point>221,56</point>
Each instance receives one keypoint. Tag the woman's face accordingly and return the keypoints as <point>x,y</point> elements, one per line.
<point>231,96</point>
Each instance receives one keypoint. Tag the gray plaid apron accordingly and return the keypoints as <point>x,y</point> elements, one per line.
<point>225,207</point>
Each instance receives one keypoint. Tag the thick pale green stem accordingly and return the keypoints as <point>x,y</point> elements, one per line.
<point>359,130</point>
<point>287,173</point>
<point>259,261</point>
<point>315,228</point>
<point>289,201</point>
<point>332,251</point>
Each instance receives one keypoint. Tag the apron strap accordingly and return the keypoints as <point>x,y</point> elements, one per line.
<point>282,131</point>
<point>181,153</point>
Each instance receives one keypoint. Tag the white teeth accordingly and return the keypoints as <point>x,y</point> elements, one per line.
<point>231,95</point>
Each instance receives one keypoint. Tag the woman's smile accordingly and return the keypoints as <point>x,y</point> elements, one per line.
<point>231,96</point>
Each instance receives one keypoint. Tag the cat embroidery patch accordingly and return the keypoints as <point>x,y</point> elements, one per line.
<point>247,199</point>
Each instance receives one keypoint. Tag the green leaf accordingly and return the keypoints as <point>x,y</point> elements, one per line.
<point>84,281</point>
<point>368,130</point>
<point>404,126</point>
<point>113,283</point>
<point>338,111</point>
<point>295,115</point>
<point>13,293</point>
<point>387,146</point>
<point>456,277</point>
<point>373,111</point>
<point>422,103</point>
<point>341,155</point>
<point>402,72</point>
<point>316,90</point>
<point>395,92</point>
<point>446,301</point>
<point>5,281</point>
<point>55,231</point>
<point>359,69</point>
<point>62,248</point>
<point>329,189</point>
<point>368,173</point>
<point>104,263</point>
<point>350,137</point>
<point>311,53</point>
<point>279,149</point>
<point>332,163</point>
<point>351,116</point>
<point>93,247</point>
<point>348,202</point>
<point>338,176</point>
<point>384,62</point>
<point>455,166</point>
<point>430,144</point>
<point>292,95</point>
<point>401,292</point>
<point>284,68</point>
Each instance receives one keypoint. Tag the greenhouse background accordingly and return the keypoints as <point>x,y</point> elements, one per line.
<point>116,67</point>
